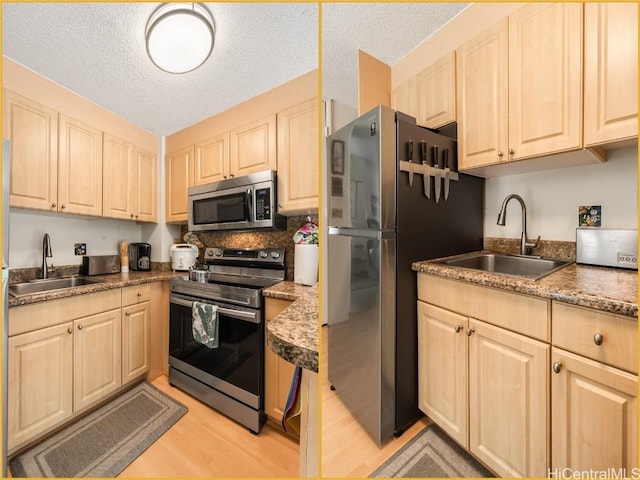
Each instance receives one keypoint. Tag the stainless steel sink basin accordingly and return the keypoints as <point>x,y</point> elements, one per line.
<point>512,265</point>
<point>49,284</point>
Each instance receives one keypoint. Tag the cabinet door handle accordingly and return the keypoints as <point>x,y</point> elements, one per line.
<point>63,206</point>
<point>511,152</point>
<point>53,205</point>
<point>132,215</point>
<point>598,339</point>
<point>139,294</point>
<point>70,330</point>
<point>458,328</point>
<point>127,313</point>
<point>80,327</point>
<point>470,331</point>
<point>500,154</point>
<point>557,366</point>
<point>232,175</point>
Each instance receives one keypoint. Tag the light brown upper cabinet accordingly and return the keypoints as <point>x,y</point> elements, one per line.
<point>298,158</point>
<point>179,171</point>
<point>33,131</point>
<point>130,181</point>
<point>610,72</point>
<point>404,98</point>
<point>146,186</point>
<point>482,98</point>
<point>530,67</point>
<point>253,147</point>
<point>211,162</point>
<point>79,167</point>
<point>437,93</point>
<point>430,95</point>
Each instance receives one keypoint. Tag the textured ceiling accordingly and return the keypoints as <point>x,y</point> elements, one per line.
<point>98,51</point>
<point>387,31</point>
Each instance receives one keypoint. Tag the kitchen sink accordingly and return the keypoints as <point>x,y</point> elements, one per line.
<point>532,268</point>
<point>49,284</point>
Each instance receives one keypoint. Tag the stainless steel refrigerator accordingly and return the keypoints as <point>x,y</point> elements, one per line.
<point>6,158</point>
<point>380,221</point>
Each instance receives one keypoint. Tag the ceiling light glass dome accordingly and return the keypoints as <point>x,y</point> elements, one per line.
<point>180,36</point>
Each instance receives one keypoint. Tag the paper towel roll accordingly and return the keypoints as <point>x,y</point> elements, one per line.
<point>305,268</point>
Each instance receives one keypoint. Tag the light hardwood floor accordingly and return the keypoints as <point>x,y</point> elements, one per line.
<point>205,443</point>
<point>347,450</point>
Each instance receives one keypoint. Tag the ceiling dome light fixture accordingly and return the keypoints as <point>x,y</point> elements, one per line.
<point>179,36</point>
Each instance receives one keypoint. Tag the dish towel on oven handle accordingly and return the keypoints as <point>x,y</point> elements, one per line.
<point>204,324</point>
<point>292,409</point>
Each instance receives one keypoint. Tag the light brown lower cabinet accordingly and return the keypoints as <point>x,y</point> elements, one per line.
<point>67,355</point>
<point>486,387</point>
<point>278,373</point>
<point>508,401</point>
<point>595,415</point>
<point>40,383</point>
<point>565,401</point>
<point>96,357</point>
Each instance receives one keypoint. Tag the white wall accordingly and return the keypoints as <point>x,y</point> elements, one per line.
<point>27,227</point>
<point>553,196</point>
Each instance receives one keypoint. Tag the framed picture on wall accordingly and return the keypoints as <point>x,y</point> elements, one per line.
<point>337,157</point>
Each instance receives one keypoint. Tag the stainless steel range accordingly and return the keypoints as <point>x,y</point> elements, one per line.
<point>230,377</point>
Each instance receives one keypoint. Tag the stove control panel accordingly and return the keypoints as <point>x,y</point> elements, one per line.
<point>240,255</point>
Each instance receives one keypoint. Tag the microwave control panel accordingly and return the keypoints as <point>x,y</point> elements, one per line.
<point>263,203</point>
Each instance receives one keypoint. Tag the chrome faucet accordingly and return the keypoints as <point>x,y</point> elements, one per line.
<point>46,253</point>
<point>525,244</point>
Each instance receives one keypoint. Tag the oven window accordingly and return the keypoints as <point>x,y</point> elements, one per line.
<point>238,358</point>
<point>222,209</point>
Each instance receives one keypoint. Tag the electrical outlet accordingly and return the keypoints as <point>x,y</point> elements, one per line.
<point>81,248</point>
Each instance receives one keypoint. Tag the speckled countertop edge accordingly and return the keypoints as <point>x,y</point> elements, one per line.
<point>107,282</point>
<point>293,334</point>
<point>607,289</point>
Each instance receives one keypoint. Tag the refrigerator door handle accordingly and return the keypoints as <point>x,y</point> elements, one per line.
<point>362,233</point>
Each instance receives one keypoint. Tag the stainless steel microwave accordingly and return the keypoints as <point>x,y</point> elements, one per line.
<point>240,203</point>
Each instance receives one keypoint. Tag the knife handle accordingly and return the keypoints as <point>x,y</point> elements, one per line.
<point>423,152</point>
<point>445,158</point>
<point>410,150</point>
<point>435,158</point>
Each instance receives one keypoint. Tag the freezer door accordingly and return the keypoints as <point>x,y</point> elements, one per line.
<point>362,172</point>
<point>361,326</point>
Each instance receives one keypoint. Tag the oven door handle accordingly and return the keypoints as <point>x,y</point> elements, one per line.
<point>239,314</point>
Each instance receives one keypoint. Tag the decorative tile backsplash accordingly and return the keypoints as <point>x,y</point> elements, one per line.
<point>260,239</point>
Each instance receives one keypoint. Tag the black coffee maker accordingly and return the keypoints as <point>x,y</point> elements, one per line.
<point>140,256</point>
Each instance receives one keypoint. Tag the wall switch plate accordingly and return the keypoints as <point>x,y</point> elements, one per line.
<point>81,248</point>
<point>590,216</point>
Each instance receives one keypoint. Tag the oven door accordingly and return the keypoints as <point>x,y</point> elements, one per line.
<point>221,210</point>
<point>236,366</point>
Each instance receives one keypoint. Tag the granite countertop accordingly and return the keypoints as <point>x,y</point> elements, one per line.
<point>611,290</point>
<point>107,282</point>
<point>293,334</point>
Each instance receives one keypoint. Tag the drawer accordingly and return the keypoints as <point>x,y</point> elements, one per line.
<point>605,337</point>
<point>35,316</point>
<point>136,294</point>
<point>522,314</point>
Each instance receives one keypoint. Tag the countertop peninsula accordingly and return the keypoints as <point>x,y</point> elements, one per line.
<point>293,335</point>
